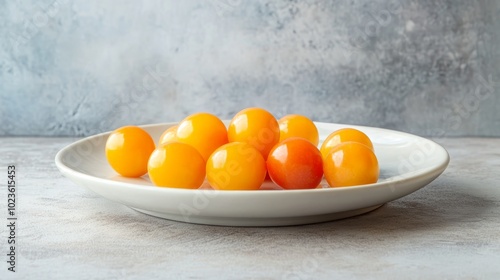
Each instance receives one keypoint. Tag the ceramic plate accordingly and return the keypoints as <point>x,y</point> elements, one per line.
<point>407,163</point>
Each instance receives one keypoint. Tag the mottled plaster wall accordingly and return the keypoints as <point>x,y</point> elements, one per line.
<point>82,67</point>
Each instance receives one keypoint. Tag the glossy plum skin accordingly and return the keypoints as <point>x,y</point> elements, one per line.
<point>168,135</point>
<point>128,149</point>
<point>350,164</point>
<point>295,163</point>
<point>298,126</point>
<point>176,165</point>
<point>204,131</point>
<point>344,135</point>
<point>236,166</point>
<point>256,127</point>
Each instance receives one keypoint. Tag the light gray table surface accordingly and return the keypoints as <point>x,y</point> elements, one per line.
<point>449,229</point>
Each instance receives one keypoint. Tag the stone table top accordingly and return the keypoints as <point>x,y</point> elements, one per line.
<point>449,229</point>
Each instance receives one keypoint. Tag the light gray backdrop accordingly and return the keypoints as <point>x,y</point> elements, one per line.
<point>83,67</point>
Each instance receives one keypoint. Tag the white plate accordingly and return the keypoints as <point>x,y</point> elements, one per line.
<point>407,163</point>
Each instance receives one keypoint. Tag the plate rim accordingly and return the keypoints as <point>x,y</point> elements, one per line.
<point>435,170</point>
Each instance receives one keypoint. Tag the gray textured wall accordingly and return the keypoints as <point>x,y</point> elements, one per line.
<point>82,67</point>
